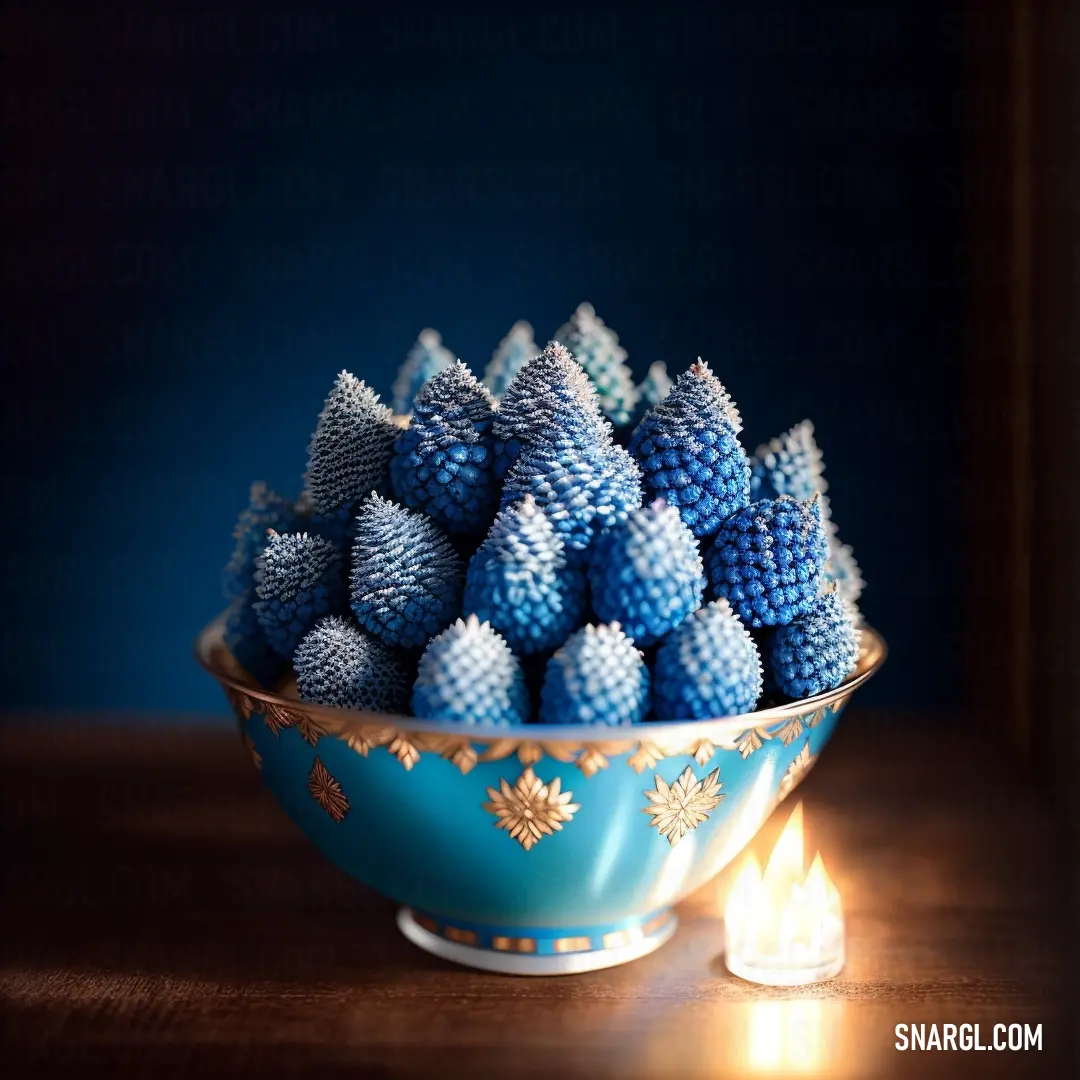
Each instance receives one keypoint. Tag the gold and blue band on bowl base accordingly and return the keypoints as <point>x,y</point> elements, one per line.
<point>518,951</point>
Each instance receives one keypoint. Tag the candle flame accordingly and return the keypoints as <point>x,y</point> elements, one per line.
<point>786,918</point>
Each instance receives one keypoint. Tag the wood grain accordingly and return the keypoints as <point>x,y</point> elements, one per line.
<point>162,916</point>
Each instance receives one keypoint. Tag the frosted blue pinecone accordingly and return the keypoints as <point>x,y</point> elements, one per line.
<point>468,675</point>
<point>349,453</point>
<point>816,652</point>
<point>840,565</point>
<point>688,449</point>
<point>652,389</point>
<point>767,559</point>
<point>646,573</point>
<point>549,404</point>
<point>299,580</point>
<point>265,510</point>
<point>791,464</point>
<point>707,666</point>
<point>596,348</point>
<point>513,352</point>
<point>581,490</point>
<point>338,664</point>
<point>596,677</point>
<point>406,576</point>
<point>520,581</point>
<point>425,360</point>
<point>443,461</point>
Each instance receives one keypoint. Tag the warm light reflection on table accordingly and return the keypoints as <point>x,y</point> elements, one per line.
<point>792,1036</point>
<point>802,1036</point>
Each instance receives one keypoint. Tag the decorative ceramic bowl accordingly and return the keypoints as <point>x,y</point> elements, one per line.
<point>537,850</point>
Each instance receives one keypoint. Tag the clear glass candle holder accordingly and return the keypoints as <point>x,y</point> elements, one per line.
<point>783,927</point>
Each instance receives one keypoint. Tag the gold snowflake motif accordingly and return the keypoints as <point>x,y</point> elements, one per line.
<point>595,756</point>
<point>790,731</point>
<point>277,718</point>
<point>311,730</point>
<point>702,751</point>
<point>256,757</point>
<point>528,752</point>
<point>797,770</point>
<point>364,740</point>
<point>531,809</point>
<point>460,754</point>
<point>403,749</point>
<point>751,740</point>
<point>591,761</point>
<point>684,805</point>
<point>645,757</point>
<point>459,751</point>
<point>326,791</point>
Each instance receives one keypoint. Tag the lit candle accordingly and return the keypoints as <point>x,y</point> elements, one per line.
<point>784,927</point>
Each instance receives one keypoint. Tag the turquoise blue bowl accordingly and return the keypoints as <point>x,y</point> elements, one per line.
<point>534,850</point>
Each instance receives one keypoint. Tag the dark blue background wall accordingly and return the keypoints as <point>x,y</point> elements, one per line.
<point>214,214</point>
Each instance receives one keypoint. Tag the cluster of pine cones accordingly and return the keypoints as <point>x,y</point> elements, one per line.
<point>553,544</point>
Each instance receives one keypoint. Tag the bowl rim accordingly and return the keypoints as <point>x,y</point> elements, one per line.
<point>214,657</point>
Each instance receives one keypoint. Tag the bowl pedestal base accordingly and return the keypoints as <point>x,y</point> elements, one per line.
<point>537,952</point>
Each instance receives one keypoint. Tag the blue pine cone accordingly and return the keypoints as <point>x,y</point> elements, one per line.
<point>581,489</point>
<point>767,560</point>
<point>406,576</point>
<point>653,388</point>
<point>337,664</point>
<point>349,454</point>
<point>519,581</point>
<point>513,352</point>
<point>549,403</point>
<point>656,385</point>
<point>841,567</point>
<point>842,570</point>
<point>816,652</point>
<point>688,449</point>
<point>245,639</point>
<point>596,677</point>
<point>425,360</point>
<point>443,461</point>
<point>299,581</point>
<point>596,348</point>
<point>646,573</point>
<point>469,675</point>
<point>265,510</point>
<point>707,666</point>
<point>791,464</point>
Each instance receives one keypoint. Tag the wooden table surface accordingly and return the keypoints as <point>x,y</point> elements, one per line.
<point>162,917</point>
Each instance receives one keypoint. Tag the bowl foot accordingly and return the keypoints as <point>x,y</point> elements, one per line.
<point>543,952</point>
